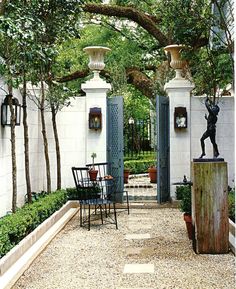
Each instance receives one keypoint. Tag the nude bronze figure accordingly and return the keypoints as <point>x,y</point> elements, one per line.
<point>213,110</point>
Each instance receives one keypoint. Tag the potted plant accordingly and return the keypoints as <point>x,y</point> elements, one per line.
<point>186,207</point>
<point>152,171</point>
<point>92,172</point>
<point>126,175</point>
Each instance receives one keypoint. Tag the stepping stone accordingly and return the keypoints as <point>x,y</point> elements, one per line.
<point>137,236</point>
<point>138,268</point>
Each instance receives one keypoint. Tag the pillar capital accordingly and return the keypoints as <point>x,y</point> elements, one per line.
<point>179,85</point>
<point>95,86</point>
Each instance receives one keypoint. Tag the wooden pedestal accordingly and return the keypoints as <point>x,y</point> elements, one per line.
<point>210,207</point>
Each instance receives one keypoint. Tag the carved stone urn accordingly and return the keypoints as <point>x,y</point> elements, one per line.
<point>176,63</point>
<point>96,59</point>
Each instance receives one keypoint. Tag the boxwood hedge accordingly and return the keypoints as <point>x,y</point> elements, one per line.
<point>139,166</point>
<point>15,227</point>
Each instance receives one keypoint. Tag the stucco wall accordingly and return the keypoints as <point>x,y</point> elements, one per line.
<point>225,131</point>
<point>71,131</point>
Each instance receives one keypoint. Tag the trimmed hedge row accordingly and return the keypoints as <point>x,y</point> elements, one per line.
<point>138,166</point>
<point>231,204</point>
<point>15,227</point>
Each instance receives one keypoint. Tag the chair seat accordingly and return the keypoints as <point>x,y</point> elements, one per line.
<point>96,202</point>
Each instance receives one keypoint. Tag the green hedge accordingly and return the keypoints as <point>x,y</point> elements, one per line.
<point>231,204</point>
<point>138,166</point>
<point>84,193</point>
<point>15,227</point>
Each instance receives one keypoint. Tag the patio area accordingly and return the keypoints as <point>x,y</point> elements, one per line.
<point>150,249</point>
<point>140,188</point>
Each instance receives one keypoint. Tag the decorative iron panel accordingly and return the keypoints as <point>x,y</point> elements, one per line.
<point>115,150</point>
<point>163,137</point>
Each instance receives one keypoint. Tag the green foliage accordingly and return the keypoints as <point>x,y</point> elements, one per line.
<point>186,202</point>
<point>138,166</point>
<point>136,105</point>
<point>14,227</point>
<point>231,205</point>
<point>149,156</point>
<point>180,191</point>
<point>83,193</point>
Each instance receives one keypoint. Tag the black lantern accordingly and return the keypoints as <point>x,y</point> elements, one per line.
<point>6,112</point>
<point>95,118</point>
<point>180,117</point>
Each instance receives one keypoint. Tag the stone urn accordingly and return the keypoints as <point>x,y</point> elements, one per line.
<point>96,59</point>
<point>176,63</point>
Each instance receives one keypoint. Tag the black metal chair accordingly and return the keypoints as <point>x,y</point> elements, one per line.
<point>107,181</point>
<point>91,194</point>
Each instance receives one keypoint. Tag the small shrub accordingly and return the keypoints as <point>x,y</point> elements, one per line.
<point>180,190</point>
<point>83,193</point>
<point>231,205</point>
<point>186,201</point>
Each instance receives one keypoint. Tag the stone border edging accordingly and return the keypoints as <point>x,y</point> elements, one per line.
<point>17,260</point>
<point>232,240</point>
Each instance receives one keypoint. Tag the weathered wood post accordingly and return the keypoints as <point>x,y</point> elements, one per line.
<point>210,206</point>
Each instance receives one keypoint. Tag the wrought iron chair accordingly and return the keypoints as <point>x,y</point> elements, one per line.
<point>90,194</point>
<point>107,181</point>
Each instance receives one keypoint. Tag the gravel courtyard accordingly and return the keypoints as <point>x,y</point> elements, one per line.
<point>149,250</point>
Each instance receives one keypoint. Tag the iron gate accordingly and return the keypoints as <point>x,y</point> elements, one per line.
<point>163,176</point>
<point>139,137</point>
<point>115,149</point>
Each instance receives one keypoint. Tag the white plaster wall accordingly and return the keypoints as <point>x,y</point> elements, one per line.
<point>225,131</point>
<point>71,129</point>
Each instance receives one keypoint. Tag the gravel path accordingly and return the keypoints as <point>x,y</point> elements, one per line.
<point>95,259</point>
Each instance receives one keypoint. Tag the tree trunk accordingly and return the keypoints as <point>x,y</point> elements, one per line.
<point>45,141</point>
<point>57,144</point>
<point>13,155</point>
<point>26,143</point>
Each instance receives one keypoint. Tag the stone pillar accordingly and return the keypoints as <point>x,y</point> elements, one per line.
<point>178,91</point>
<point>96,140</point>
<point>210,206</point>
<point>96,97</point>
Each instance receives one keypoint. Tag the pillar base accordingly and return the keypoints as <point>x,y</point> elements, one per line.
<point>210,207</point>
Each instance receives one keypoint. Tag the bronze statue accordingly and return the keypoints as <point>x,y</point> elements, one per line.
<point>213,110</point>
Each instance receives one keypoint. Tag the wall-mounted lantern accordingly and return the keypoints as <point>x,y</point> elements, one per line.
<point>180,117</point>
<point>6,112</point>
<point>95,118</point>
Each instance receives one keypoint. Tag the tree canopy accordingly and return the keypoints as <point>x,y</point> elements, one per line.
<point>136,31</point>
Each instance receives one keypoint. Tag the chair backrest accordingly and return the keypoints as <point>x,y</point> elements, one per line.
<point>81,176</point>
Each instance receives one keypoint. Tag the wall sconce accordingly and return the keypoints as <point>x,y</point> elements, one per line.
<point>95,118</point>
<point>131,121</point>
<point>6,112</point>
<point>180,117</point>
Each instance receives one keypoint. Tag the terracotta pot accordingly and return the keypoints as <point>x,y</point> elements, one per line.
<point>189,225</point>
<point>126,176</point>
<point>152,174</point>
<point>93,175</point>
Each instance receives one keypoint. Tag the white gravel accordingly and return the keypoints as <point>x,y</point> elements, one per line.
<point>95,259</point>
